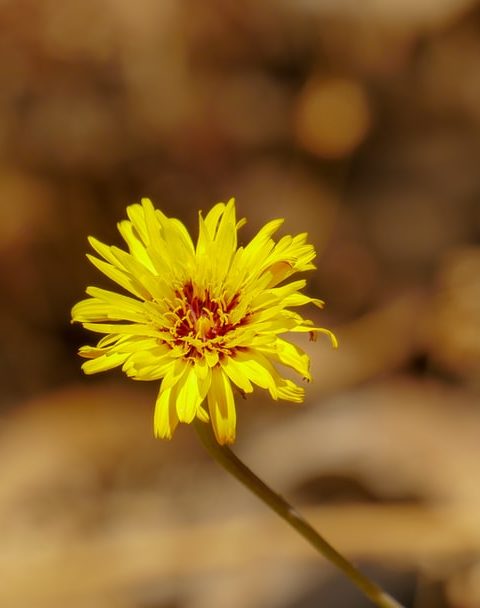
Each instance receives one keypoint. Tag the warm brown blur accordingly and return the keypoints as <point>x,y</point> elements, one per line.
<point>357,122</point>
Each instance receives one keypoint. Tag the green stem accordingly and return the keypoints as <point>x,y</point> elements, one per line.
<point>224,456</point>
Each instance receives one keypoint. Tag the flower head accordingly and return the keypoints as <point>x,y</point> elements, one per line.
<point>201,318</point>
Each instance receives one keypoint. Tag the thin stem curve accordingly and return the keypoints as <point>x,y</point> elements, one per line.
<point>229,461</point>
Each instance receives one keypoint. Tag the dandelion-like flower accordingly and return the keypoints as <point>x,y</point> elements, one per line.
<point>201,318</point>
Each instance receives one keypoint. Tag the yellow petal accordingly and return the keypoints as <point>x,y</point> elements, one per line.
<point>188,398</point>
<point>103,363</point>
<point>135,245</point>
<point>149,364</point>
<point>288,354</point>
<point>124,279</point>
<point>93,309</point>
<point>212,218</point>
<point>120,328</point>
<point>260,371</point>
<point>207,228</point>
<point>235,372</point>
<point>317,330</point>
<point>288,390</point>
<point>175,373</point>
<point>105,251</point>
<point>255,367</point>
<point>221,405</point>
<point>202,414</point>
<point>211,357</point>
<point>226,235</point>
<point>165,417</point>
<point>136,215</point>
<point>300,299</point>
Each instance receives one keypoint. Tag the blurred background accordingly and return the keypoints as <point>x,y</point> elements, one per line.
<point>358,125</point>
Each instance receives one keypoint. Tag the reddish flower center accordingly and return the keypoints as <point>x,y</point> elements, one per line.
<point>201,321</point>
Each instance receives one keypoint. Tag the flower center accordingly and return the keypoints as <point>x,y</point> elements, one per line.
<point>201,322</point>
<point>205,327</point>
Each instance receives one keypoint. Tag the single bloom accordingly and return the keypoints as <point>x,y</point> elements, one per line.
<point>204,319</point>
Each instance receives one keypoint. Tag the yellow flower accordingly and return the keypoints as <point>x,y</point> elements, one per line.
<point>199,318</point>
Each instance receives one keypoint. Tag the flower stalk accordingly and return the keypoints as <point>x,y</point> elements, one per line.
<point>231,463</point>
